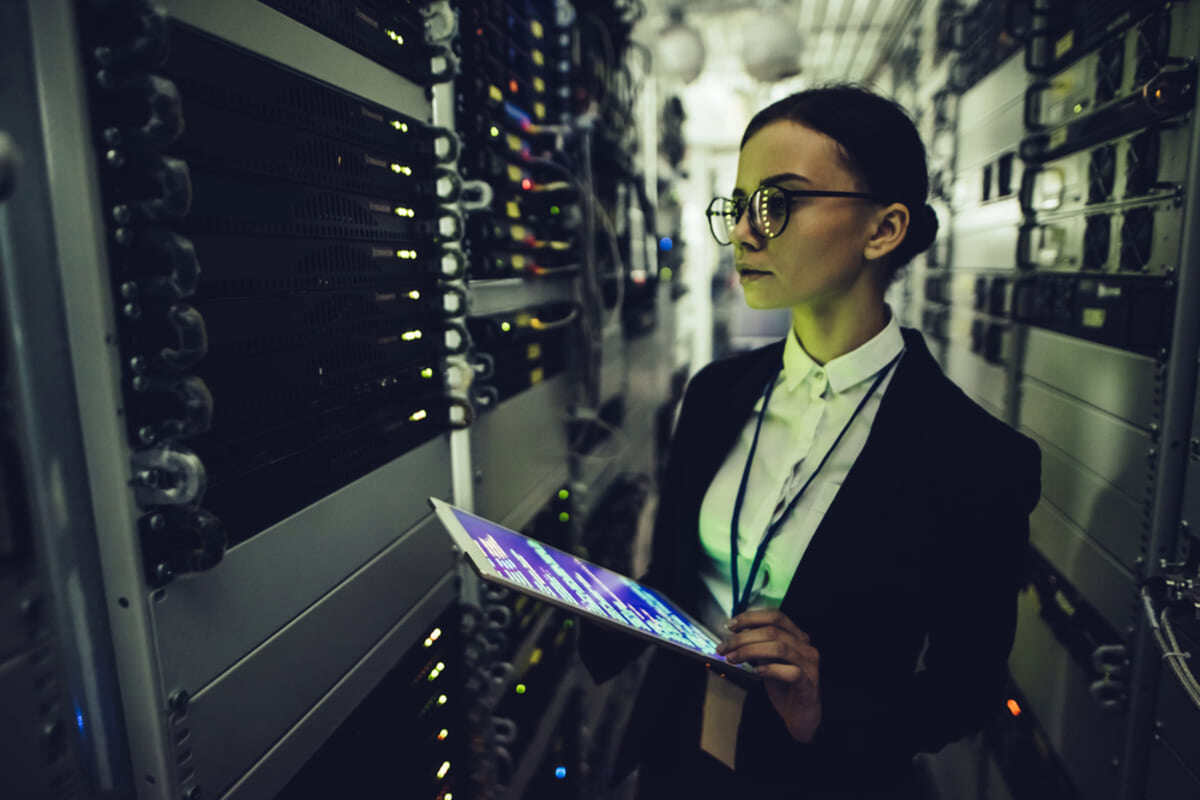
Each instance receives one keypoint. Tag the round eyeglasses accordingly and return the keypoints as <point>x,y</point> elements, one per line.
<point>768,209</point>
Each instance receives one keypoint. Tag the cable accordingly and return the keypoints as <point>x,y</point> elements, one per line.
<point>1169,645</point>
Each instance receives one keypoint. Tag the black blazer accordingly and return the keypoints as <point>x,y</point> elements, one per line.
<point>908,588</point>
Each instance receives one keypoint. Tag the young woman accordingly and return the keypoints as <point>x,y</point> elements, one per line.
<point>852,519</point>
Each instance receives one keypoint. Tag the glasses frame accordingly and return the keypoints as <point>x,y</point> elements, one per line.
<point>741,205</point>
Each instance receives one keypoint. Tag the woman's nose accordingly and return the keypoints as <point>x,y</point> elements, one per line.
<point>743,234</point>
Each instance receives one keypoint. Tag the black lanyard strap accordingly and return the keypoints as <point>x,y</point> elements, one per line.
<point>740,603</point>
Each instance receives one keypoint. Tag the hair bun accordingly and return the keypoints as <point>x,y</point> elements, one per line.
<point>929,222</point>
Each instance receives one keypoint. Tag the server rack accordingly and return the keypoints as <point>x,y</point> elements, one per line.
<point>1060,298</point>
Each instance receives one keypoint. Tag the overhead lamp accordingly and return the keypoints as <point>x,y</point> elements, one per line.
<point>771,46</point>
<point>679,51</point>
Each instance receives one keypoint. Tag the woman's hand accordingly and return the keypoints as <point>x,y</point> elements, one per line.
<point>789,664</point>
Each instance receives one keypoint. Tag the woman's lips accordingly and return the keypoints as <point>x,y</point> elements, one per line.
<point>750,274</point>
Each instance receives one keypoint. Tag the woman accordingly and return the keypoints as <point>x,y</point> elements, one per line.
<point>878,515</point>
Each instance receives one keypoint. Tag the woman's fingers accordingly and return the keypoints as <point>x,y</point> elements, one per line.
<point>784,649</point>
<point>766,616</point>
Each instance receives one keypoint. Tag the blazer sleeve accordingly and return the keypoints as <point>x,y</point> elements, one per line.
<point>605,652</point>
<point>977,574</point>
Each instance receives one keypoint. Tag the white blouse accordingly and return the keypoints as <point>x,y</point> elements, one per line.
<point>808,409</point>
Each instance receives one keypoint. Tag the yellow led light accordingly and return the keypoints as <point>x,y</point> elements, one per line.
<point>563,494</point>
<point>400,126</point>
<point>539,110</point>
<point>441,701</point>
<point>536,376</point>
<point>411,336</point>
<point>406,254</point>
<point>533,352</point>
<point>442,734</point>
<point>517,232</point>
<point>537,29</point>
<point>535,656</point>
<point>435,634</point>
<point>564,517</point>
<point>427,372</point>
<point>401,169</point>
<point>401,211</point>
<point>441,665</point>
<point>514,143</point>
<point>428,642</point>
<point>494,131</point>
<point>538,58</point>
<point>414,295</point>
<point>514,172</point>
<point>443,769</point>
<point>505,326</point>
<point>539,85</point>
<point>518,261</point>
<point>418,416</point>
<point>495,93</point>
<point>512,209</point>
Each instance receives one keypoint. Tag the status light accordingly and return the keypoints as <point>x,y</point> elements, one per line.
<point>539,85</point>
<point>400,126</point>
<point>442,734</point>
<point>526,184</point>
<point>436,634</point>
<point>410,336</point>
<point>536,28</point>
<point>563,494</point>
<point>417,417</point>
<point>536,656</point>
<point>555,210</point>
<point>406,254</point>
<point>560,772</point>
<point>443,769</point>
<point>495,93</point>
<point>427,372</point>
<point>506,326</point>
<point>494,131</point>
<point>442,699</point>
<point>538,58</point>
<point>414,295</point>
<point>564,517</point>
<point>1013,708</point>
<point>401,211</point>
<point>520,688</point>
<point>395,37</point>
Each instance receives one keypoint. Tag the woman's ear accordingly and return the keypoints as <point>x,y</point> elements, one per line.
<point>889,227</point>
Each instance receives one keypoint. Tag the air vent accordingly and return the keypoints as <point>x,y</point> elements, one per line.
<point>1153,46</point>
<point>1102,172</point>
<point>1110,66</point>
<point>1141,163</point>
<point>1096,239</point>
<point>1137,238</point>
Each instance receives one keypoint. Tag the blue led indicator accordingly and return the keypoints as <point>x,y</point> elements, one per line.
<point>665,244</point>
<point>79,719</point>
<point>560,772</point>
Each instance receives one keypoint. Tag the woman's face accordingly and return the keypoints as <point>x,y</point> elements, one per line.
<point>820,258</point>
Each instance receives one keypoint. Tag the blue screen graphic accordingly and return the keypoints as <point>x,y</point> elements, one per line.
<point>562,576</point>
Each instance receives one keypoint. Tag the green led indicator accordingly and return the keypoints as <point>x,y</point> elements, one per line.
<point>555,210</point>
<point>563,494</point>
<point>564,517</point>
<point>506,326</point>
<point>520,688</point>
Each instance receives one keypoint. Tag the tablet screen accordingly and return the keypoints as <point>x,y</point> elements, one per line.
<point>587,587</point>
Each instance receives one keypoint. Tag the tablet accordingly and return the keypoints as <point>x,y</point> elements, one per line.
<point>546,573</point>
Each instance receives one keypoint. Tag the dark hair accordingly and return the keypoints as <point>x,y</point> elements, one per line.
<point>880,146</point>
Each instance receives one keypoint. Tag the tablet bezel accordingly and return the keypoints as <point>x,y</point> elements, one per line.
<point>482,565</point>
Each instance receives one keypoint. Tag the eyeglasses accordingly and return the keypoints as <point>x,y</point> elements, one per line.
<point>769,208</point>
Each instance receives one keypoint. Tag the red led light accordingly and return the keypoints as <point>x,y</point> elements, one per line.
<point>526,184</point>
<point>1013,708</point>
<point>513,86</point>
<point>479,31</point>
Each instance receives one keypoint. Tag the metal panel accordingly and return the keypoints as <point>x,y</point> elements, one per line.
<point>511,294</point>
<point>1176,720</point>
<point>1105,584</point>
<point>992,114</point>
<point>207,621</point>
<point>986,237</point>
<point>272,772</point>
<point>1116,381</point>
<point>1113,448</point>
<point>1167,777</point>
<point>1110,518</point>
<point>264,30</point>
<point>1086,739</point>
<point>235,720</point>
<point>533,424</point>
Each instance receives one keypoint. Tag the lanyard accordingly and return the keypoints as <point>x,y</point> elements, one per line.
<point>740,603</point>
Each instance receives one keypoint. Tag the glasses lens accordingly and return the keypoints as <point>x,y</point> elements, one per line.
<point>768,211</point>
<point>722,218</point>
